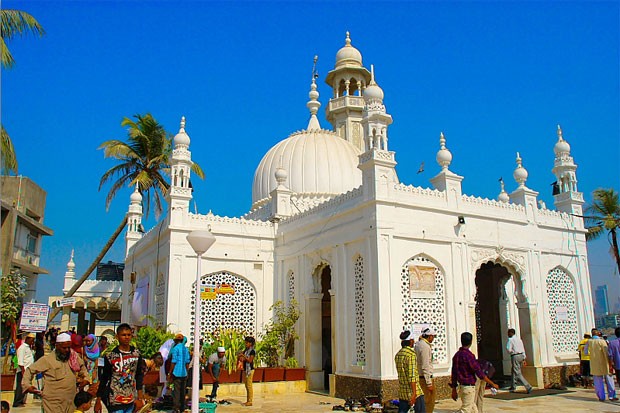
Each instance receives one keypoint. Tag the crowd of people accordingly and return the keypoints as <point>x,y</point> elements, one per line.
<point>599,360</point>
<point>81,373</point>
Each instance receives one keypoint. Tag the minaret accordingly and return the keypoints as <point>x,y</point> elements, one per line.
<point>377,163</point>
<point>566,197</point>
<point>446,180</point>
<point>69,275</point>
<point>180,192</point>
<point>348,80</point>
<point>134,220</point>
<point>524,195</point>
<point>375,119</point>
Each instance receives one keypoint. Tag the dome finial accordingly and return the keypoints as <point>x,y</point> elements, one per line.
<point>313,104</point>
<point>372,75</point>
<point>444,156</point>
<point>520,174</point>
<point>181,139</point>
<point>71,264</point>
<point>560,133</point>
<point>347,41</point>
<point>503,195</point>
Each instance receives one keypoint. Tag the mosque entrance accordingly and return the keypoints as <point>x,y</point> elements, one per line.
<point>326,325</point>
<point>492,314</point>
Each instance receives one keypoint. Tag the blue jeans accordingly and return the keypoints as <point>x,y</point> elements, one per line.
<point>216,373</point>
<point>418,407</point>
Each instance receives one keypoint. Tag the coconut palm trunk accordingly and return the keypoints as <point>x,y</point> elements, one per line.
<point>92,266</point>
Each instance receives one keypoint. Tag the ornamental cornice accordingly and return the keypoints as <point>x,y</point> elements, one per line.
<point>500,255</point>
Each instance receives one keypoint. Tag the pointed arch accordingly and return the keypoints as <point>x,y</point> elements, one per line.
<point>228,301</point>
<point>562,310</point>
<point>424,299</point>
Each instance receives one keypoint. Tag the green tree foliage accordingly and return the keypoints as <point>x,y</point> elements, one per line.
<point>149,339</point>
<point>14,23</point>
<point>12,291</point>
<point>144,159</point>
<point>602,216</point>
<point>278,341</point>
<point>229,338</point>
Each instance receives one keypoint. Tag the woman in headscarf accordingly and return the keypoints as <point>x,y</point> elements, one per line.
<point>77,352</point>
<point>164,350</point>
<point>91,356</point>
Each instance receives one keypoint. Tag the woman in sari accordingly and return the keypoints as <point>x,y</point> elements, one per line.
<point>91,356</point>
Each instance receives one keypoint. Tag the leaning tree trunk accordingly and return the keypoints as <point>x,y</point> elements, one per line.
<point>614,242</point>
<point>90,269</point>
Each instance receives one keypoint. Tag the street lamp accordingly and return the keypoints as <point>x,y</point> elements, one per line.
<point>200,242</point>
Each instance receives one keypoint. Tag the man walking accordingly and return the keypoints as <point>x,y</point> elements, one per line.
<point>409,391</point>
<point>600,366</point>
<point>424,354</point>
<point>584,360</point>
<point>614,353</point>
<point>216,362</point>
<point>517,358</point>
<point>120,383</point>
<point>59,371</point>
<point>25,357</point>
<point>465,369</point>
<point>179,364</point>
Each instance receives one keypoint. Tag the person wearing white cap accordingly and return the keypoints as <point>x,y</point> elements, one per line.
<point>217,361</point>
<point>25,357</point>
<point>59,371</point>
<point>424,353</point>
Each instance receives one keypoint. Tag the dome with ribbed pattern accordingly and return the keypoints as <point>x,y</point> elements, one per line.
<point>318,162</point>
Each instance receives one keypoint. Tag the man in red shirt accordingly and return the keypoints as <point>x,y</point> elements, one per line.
<point>465,369</point>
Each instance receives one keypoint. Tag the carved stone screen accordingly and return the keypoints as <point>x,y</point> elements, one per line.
<point>229,301</point>
<point>360,325</point>
<point>422,307</point>
<point>291,286</point>
<point>562,311</point>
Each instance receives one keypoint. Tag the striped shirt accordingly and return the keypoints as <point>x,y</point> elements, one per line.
<point>407,368</point>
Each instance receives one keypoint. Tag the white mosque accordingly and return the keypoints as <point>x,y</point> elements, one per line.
<point>366,255</point>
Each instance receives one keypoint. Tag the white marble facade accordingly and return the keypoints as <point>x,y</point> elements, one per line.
<point>332,226</point>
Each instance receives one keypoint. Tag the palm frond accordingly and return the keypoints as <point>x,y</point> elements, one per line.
<point>14,23</point>
<point>9,159</point>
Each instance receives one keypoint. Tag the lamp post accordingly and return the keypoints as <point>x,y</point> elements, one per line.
<point>200,242</point>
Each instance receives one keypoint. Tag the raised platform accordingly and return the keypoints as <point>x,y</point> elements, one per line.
<point>266,389</point>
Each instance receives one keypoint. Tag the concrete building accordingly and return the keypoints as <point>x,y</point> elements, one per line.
<point>367,256</point>
<point>23,210</point>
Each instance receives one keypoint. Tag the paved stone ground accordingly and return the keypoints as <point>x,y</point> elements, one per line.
<point>578,401</point>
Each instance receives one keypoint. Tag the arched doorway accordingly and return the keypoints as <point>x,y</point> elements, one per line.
<point>326,325</point>
<point>319,328</point>
<point>492,313</point>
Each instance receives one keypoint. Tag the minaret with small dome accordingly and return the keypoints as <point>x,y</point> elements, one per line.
<point>134,219</point>
<point>446,180</point>
<point>524,195</point>
<point>375,119</point>
<point>348,81</point>
<point>70,274</point>
<point>566,198</point>
<point>180,193</point>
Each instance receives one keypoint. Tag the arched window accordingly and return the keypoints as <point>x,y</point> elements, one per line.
<point>424,302</point>
<point>562,311</point>
<point>229,301</point>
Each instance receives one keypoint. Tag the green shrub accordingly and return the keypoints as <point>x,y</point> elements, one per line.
<point>229,338</point>
<point>149,339</point>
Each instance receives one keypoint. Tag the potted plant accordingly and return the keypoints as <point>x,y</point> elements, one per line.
<point>234,342</point>
<point>278,342</point>
<point>292,371</point>
<point>12,291</point>
<point>149,340</point>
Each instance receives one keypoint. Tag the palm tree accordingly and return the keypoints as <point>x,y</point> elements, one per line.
<point>603,216</point>
<point>144,160</point>
<point>14,22</point>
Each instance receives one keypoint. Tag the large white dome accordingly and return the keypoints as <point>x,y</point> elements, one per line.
<point>317,162</point>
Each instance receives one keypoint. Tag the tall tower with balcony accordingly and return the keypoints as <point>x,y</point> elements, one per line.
<point>348,81</point>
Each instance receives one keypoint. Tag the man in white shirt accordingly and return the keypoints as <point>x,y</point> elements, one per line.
<point>217,361</point>
<point>424,353</point>
<point>25,357</point>
<point>517,357</point>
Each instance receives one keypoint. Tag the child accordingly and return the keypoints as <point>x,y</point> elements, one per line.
<point>82,401</point>
<point>4,407</point>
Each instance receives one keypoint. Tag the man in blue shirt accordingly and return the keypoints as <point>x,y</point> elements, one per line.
<point>177,376</point>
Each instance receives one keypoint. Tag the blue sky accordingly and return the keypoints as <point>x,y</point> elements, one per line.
<point>496,77</point>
